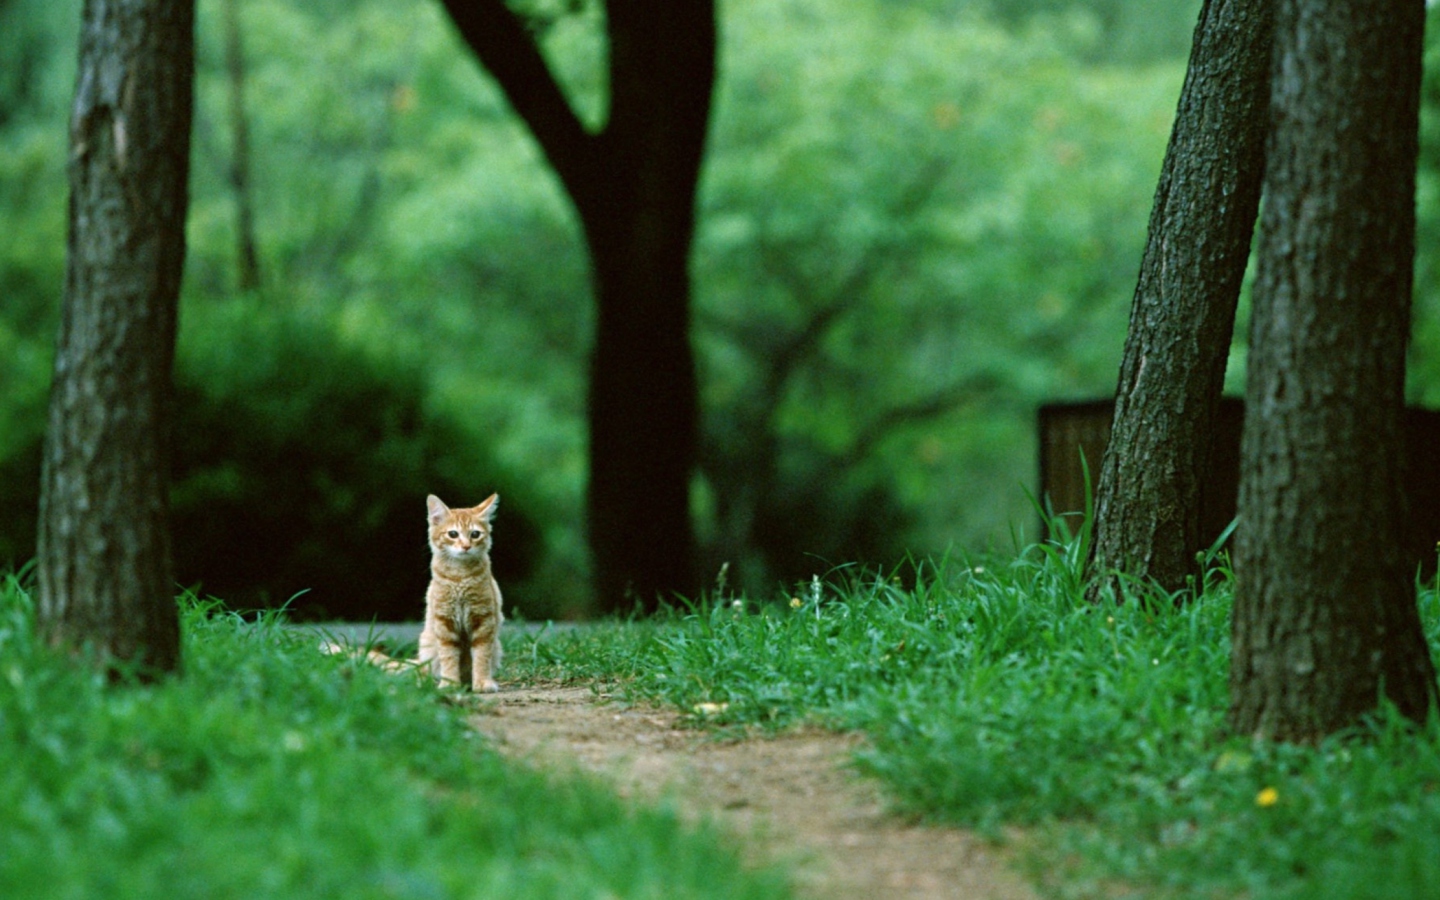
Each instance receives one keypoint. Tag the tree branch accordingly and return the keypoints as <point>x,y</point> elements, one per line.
<point>507,50</point>
<point>922,410</point>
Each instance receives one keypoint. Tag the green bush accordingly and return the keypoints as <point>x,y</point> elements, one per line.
<point>303,464</point>
<point>300,465</point>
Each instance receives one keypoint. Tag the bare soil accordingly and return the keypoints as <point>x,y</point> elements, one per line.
<point>790,798</point>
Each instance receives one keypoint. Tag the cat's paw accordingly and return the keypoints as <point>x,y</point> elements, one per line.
<point>488,686</point>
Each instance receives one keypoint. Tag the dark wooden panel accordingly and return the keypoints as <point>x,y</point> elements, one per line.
<point>1068,429</point>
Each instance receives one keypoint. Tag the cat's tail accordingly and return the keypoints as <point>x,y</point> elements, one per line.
<point>371,655</point>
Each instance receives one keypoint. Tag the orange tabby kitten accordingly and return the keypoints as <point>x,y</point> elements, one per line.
<point>462,605</point>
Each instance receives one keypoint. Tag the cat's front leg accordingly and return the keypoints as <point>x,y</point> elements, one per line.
<point>429,653</point>
<point>448,662</point>
<point>484,655</point>
<point>440,655</point>
<point>447,645</point>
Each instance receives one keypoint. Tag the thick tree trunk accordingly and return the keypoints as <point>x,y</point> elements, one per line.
<point>643,419</point>
<point>1147,502</point>
<point>633,184</point>
<point>1325,617</point>
<point>639,220</point>
<point>105,579</point>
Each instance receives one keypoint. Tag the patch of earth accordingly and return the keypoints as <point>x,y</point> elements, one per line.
<point>793,796</point>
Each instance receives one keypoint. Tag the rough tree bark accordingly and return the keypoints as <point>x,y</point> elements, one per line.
<point>633,183</point>
<point>105,582</point>
<point>1147,501</point>
<point>1325,618</point>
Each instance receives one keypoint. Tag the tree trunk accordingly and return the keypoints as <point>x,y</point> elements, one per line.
<point>633,184</point>
<point>643,419</point>
<point>105,582</point>
<point>1147,502</point>
<point>1325,618</point>
<point>247,258</point>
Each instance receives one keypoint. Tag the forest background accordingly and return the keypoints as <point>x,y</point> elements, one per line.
<point>919,220</point>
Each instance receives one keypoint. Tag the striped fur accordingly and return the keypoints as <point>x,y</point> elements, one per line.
<point>460,642</point>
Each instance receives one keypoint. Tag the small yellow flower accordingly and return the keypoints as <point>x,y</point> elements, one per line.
<point>1267,797</point>
<point>795,603</point>
<point>710,709</point>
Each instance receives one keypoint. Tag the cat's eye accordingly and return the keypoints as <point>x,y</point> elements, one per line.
<point>454,533</point>
<point>474,535</point>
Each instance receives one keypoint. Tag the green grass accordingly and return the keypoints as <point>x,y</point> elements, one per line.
<point>992,693</point>
<point>269,770</point>
<point>995,696</point>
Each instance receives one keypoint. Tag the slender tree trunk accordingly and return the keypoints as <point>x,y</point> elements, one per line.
<point>1147,502</point>
<point>634,185</point>
<point>247,258</point>
<point>1325,617</point>
<point>105,580</point>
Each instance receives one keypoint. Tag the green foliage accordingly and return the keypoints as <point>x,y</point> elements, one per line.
<point>305,462</point>
<point>918,221</point>
<point>993,695</point>
<point>31,79</point>
<point>1108,30</point>
<point>300,467</point>
<point>1423,371</point>
<point>32,247</point>
<point>419,225</point>
<point>270,770</point>
<point>899,255</point>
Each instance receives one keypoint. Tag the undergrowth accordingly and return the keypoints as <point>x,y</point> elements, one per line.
<point>994,695</point>
<point>267,769</point>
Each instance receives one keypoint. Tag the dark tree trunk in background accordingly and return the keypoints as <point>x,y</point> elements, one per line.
<point>643,409</point>
<point>247,258</point>
<point>105,579</point>
<point>633,183</point>
<point>1325,614</point>
<point>1147,502</point>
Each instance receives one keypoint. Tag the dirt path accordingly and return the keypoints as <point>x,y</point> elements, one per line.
<point>792,796</point>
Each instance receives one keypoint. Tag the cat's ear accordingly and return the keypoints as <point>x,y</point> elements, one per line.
<point>487,508</point>
<point>437,509</point>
